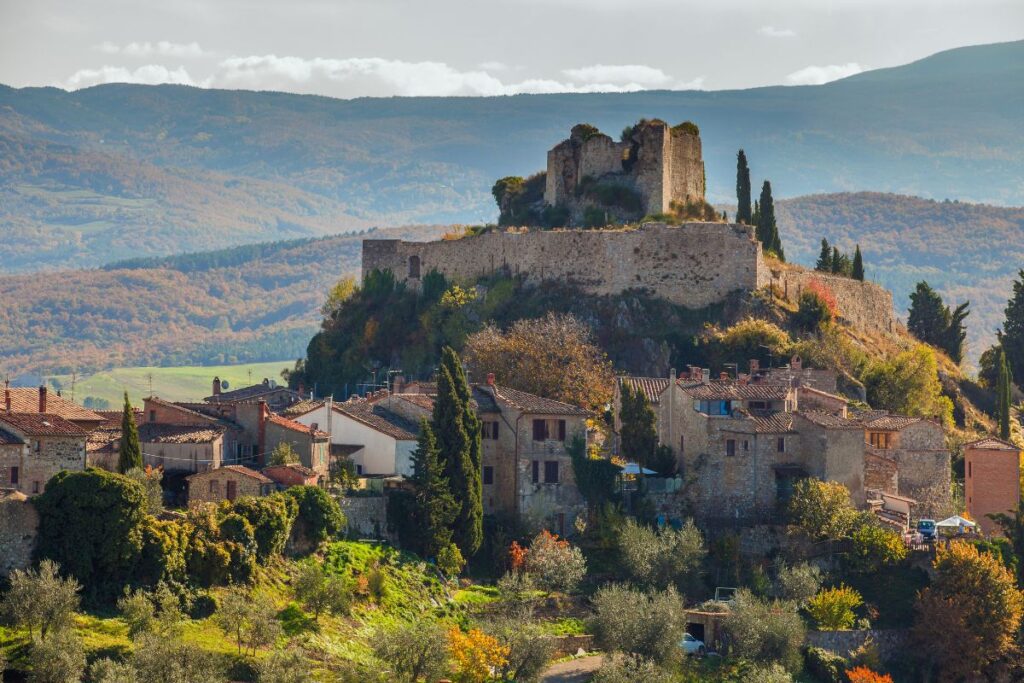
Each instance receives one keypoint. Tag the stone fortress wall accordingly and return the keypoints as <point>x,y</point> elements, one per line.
<point>693,265</point>
<point>661,163</point>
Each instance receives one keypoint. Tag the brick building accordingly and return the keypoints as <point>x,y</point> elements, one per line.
<point>227,483</point>
<point>992,480</point>
<point>35,446</point>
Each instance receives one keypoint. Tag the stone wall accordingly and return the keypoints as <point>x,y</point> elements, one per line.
<point>694,265</point>
<point>366,516</point>
<point>864,305</point>
<point>19,524</point>
<point>891,643</point>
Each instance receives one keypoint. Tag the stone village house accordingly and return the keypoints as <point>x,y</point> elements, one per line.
<point>741,444</point>
<point>227,483</point>
<point>527,471</point>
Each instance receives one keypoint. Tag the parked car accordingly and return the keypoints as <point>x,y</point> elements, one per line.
<point>692,647</point>
<point>926,527</point>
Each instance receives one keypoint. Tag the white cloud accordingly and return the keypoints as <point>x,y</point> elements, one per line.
<point>378,77</point>
<point>773,32</point>
<point>816,75</point>
<point>151,74</point>
<point>494,66</point>
<point>145,49</point>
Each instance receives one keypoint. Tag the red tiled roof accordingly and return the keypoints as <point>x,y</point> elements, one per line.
<point>240,469</point>
<point>652,387</point>
<point>830,421</point>
<point>421,400</point>
<point>295,467</point>
<point>378,417</point>
<point>529,403</point>
<point>887,422</point>
<point>991,443</point>
<point>41,424</point>
<point>8,439</point>
<point>152,432</point>
<point>725,390</point>
<point>301,408</point>
<point>293,425</point>
<point>249,393</point>
<point>773,423</point>
<point>26,400</point>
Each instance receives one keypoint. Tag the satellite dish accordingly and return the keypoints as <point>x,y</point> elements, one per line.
<point>273,384</point>
<point>224,384</point>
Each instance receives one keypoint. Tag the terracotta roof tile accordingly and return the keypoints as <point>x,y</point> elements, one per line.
<point>725,390</point>
<point>40,424</point>
<point>300,469</point>
<point>301,408</point>
<point>26,400</point>
<point>773,423</point>
<point>249,393</point>
<point>888,422</point>
<point>240,469</point>
<point>151,432</point>
<point>378,417</point>
<point>991,443</point>
<point>525,402</point>
<point>652,387</point>
<point>293,425</point>
<point>830,421</point>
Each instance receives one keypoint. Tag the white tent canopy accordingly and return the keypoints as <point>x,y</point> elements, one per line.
<point>634,468</point>
<point>956,521</point>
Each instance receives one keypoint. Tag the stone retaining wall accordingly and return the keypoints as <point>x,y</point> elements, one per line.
<point>890,642</point>
<point>19,524</point>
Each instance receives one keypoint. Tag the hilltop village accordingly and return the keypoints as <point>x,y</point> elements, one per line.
<point>794,488</point>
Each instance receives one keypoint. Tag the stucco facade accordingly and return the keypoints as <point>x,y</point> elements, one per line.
<point>992,480</point>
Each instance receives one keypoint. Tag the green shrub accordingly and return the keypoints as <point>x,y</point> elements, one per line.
<point>271,518</point>
<point>646,624</point>
<point>688,127</point>
<point>832,609</point>
<point>319,518</point>
<point>824,666</point>
<point>766,632</point>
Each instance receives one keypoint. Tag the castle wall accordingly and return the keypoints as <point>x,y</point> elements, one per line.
<point>601,155</point>
<point>652,170</point>
<point>864,305</point>
<point>686,167</point>
<point>694,265</point>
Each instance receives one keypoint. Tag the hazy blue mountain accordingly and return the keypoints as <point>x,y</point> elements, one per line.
<point>121,170</point>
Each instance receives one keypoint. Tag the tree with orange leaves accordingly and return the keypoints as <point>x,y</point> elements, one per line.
<point>476,654</point>
<point>862,674</point>
<point>969,617</point>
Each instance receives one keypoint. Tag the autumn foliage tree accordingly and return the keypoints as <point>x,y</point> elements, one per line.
<point>862,674</point>
<point>475,654</point>
<point>969,617</point>
<point>553,356</point>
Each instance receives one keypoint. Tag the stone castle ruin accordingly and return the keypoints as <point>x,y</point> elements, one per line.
<point>694,265</point>
<point>660,165</point>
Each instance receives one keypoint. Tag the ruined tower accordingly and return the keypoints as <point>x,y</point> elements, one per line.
<point>655,166</point>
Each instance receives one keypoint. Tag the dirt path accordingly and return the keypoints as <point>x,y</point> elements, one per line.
<point>574,671</point>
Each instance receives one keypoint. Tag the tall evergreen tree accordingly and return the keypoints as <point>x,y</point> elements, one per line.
<point>457,431</point>
<point>929,317</point>
<point>824,263</point>
<point>955,336</point>
<point>755,217</point>
<point>743,212</point>
<point>639,438</point>
<point>129,454</point>
<point>435,506</point>
<point>1012,335</point>
<point>857,271</point>
<point>767,230</point>
<point>1003,399</point>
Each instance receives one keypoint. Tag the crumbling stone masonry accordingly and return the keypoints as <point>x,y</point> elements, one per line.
<point>19,524</point>
<point>694,265</point>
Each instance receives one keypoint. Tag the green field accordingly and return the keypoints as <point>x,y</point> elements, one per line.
<point>174,384</point>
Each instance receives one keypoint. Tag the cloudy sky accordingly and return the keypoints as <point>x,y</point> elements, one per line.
<point>352,48</point>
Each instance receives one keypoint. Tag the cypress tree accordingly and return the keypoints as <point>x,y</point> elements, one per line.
<point>755,217</point>
<point>767,230</point>
<point>858,265</point>
<point>1012,336</point>
<point>1003,400</point>
<point>129,454</point>
<point>743,213</point>
<point>929,318</point>
<point>435,506</point>
<point>955,336</point>
<point>824,263</point>
<point>638,434</point>
<point>457,431</point>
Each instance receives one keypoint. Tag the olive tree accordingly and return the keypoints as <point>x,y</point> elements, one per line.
<point>629,620</point>
<point>41,599</point>
<point>659,558</point>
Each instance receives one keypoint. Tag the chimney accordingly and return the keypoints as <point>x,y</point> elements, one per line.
<point>261,430</point>
<point>398,384</point>
<point>705,376</point>
<point>266,382</point>
<point>216,386</point>
<point>7,395</point>
<point>755,366</point>
<point>301,390</point>
<point>490,379</point>
<point>723,376</point>
<point>671,375</point>
<point>796,363</point>
<point>42,398</point>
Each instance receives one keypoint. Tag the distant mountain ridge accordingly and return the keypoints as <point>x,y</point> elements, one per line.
<point>117,171</point>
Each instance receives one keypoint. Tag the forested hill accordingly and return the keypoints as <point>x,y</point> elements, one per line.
<point>115,171</point>
<point>250,303</point>
<point>968,252</point>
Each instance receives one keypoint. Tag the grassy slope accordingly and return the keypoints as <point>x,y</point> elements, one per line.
<point>186,383</point>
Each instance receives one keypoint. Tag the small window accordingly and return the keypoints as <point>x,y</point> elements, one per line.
<point>730,447</point>
<point>746,445</point>
<point>545,430</point>
<point>214,488</point>
<point>39,446</point>
<point>970,469</point>
<point>757,405</point>
<point>359,470</point>
<point>488,475</point>
<point>152,416</point>
<point>682,445</point>
<point>255,450</point>
<point>14,475</point>
<point>535,472</point>
<point>489,430</point>
<point>35,487</point>
<point>232,490</point>
<point>780,445</point>
<point>550,471</point>
<point>540,431</point>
